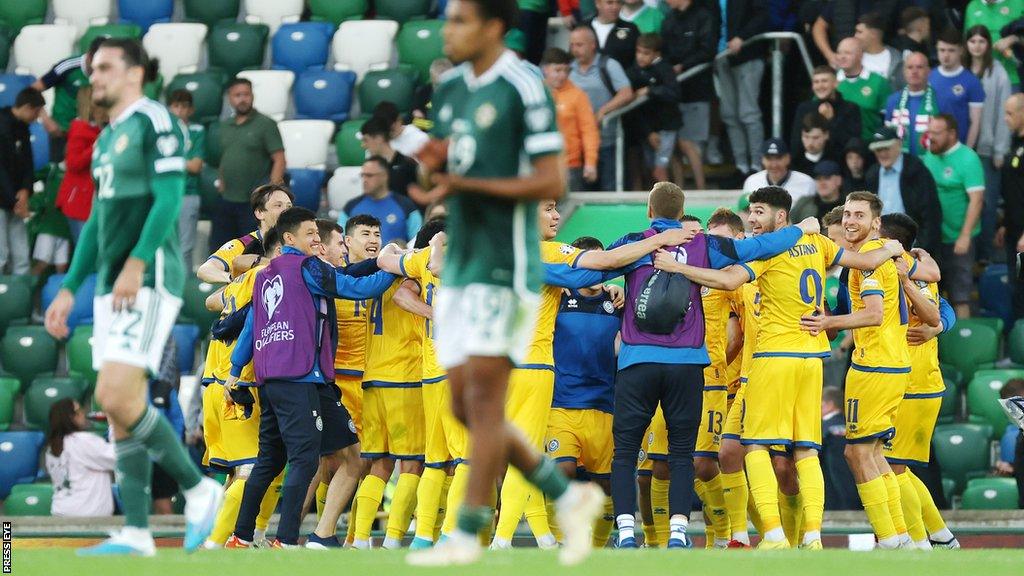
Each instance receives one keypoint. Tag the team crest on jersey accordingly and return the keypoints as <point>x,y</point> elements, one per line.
<point>921,283</point>
<point>485,115</point>
<point>273,293</point>
<point>641,457</point>
<point>391,219</point>
<point>167,145</point>
<point>121,144</point>
<point>948,172</point>
<point>538,118</point>
<point>621,33</point>
<point>608,307</point>
<point>553,445</point>
<point>565,249</point>
<point>958,89</point>
<point>866,91</point>
<point>572,303</point>
<point>351,426</point>
<point>1005,11</point>
<point>705,291</point>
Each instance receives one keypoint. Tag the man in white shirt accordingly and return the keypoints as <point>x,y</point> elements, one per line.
<point>775,159</point>
<point>883,60</point>
<point>405,138</point>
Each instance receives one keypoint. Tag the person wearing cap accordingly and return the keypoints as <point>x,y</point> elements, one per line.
<point>775,159</point>
<point>904,184</point>
<point>829,181</point>
<point>616,37</point>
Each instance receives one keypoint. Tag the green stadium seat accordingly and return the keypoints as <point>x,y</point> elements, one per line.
<point>16,293</point>
<point>950,402</point>
<point>207,90</point>
<point>948,485</point>
<point>234,47</point>
<point>213,147</point>
<point>1015,343</point>
<point>194,305</point>
<point>211,12</point>
<point>338,11</point>
<point>347,144</point>
<point>44,392</point>
<point>208,193</point>
<point>950,373</point>
<point>983,396</point>
<point>996,324</point>
<point>126,30</point>
<point>990,494</point>
<point>963,450</point>
<point>393,85</point>
<point>402,10</point>
<point>968,345</point>
<point>419,44</point>
<point>79,353</point>
<point>16,14</point>
<point>29,500</point>
<point>28,351</point>
<point>6,39</point>
<point>9,388</point>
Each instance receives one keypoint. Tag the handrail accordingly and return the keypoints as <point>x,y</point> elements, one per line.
<point>775,37</point>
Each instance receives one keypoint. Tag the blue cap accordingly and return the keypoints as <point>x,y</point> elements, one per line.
<point>774,147</point>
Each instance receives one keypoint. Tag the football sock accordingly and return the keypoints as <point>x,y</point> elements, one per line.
<point>224,525</point>
<point>350,530</point>
<point>734,494</point>
<point>403,503</point>
<point>764,488</point>
<point>651,536</point>
<point>659,508</point>
<point>321,499</point>
<point>911,508</point>
<point>442,506</point>
<point>537,518</point>
<point>456,494</point>
<point>812,492</point>
<point>753,514</point>
<point>892,488</point>
<point>428,501</point>
<point>515,491</point>
<point>677,527</point>
<point>790,514</point>
<point>135,472</point>
<point>488,531</point>
<point>875,499</point>
<point>163,445</point>
<point>626,524</point>
<point>269,504</point>
<point>474,519</point>
<point>548,478</point>
<point>368,499</point>
<point>549,505</point>
<point>709,533</point>
<point>603,526</point>
<point>933,521</point>
<point>715,508</point>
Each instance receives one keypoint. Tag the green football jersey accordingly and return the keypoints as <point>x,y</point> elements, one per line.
<point>65,99</point>
<point>145,143</point>
<point>957,173</point>
<point>994,16</point>
<point>498,123</point>
<point>869,92</point>
<point>196,149</point>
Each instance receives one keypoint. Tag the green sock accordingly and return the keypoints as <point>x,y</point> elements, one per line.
<point>134,477</point>
<point>155,432</point>
<point>548,478</point>
<point>473,519</point>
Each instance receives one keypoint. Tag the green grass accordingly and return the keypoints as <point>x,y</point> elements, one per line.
<point>532,562</point>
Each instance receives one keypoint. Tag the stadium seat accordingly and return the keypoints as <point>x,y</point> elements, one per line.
<point>273,13</point>
<point>109,31</point>
<point>213,147</point>
<point>18,13</point>
<point>950,403</point>
<point>211,12</point>
<point>39,46</point>
<point>307,185</point>
<point>402,11</point>
<point>324,95</point>
<point>364,45</point>
<point>194,305</point>
<point>6,39</point>
<point>10,85</point>
<point>29,500</point>
<point>270,90</point>
<point>44,392</point>
<point>236,47</point>
<point>40,145</point>
<point>419,44</point>
<point>146,13</point>
<point>28,351</point>
<point>9,388</point>
<point>347,144</point>
<point>990,494</point>
<point>337,11</point>
<point>301,46</point>
<point>968,345</point>
<point>994,293</point>
<point>1015,343</point>
<point>983,396</point>
<point>79,353</point>
<point>19,452</point>
<point>179,46</point>
<point>207,90</point>
<point>395,85</point>
<point>81,14</point>
<point>186,336</point>
<point>344,185</point>
<point>950,373</point>
<point>963,450</point>
<point>16,293</point>
<point>306,142</point>
<point>82,311</point>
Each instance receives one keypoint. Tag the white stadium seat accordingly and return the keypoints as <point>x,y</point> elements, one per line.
<point>82,13</point>
<point>364,45</point>
<point>179,46</point>
<point>273,13</point>
<point>38,47</point>
<point>270,90</point>
<point>306,142</point>
<point>558,34</point>
<point>344,185</point>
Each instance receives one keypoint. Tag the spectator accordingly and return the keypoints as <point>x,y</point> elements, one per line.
<point>66,77</point>
<point>816,144</point>
<point>252,155</point>
<point>575,119</point>
<point>910,109</point>
<point>607,87</point>
<point>616,37</point>
<point>569,10</point>
<point>883,60</point>
<point>533,21</point>
<point>995,15</point>
<point>405,138</point>
<point>829,181</point>
<point>690,38</point>
<point>1012,183</point>
<point>49,228</point>
<point>855,163</point>
<point>916,34</point>
<point>843,117</point>
<point>739,79</point>
<point>1006,462</point>
<point>994,136</point>
<point>860,86</point>
<point>402,170</point>
<point>515,40</point>
<point>400,220</point>
<point>647,18</point>
<point>80,464</point>
<point>658,120</point>
<point>840,489</point>
<point>957,90</point>
<point>775,158</point>
<point>436,209</point>
<point>904,184</point>
<point>838,20</point>
<point>180,104</point>
<point>421,109</point>
<point>960,181</point>
<point>74,198</point>
<point>16,177</point>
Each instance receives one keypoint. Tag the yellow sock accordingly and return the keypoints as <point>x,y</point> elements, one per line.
<point>812,493</point>
<point>456,494</point>
<point>403,503</point>
<point>269,503</point>
<point>734,494</point>
<point>321,499</point>
<point>651,536</point>
<point>659,506</point>
<point>224,525</point>
<point>753,514</point>
<point>789,508</point>
<point>715,507</point>
<point>515,491</point>
<point>442,506</point>
<point>709,530</point>
<point>933,521</point>
<point>537,515</point>
<point>350,530</point>
<point>549,505</point>
<point>603,526</point>
<point>764,488</point>
<point>428,501</point>
<point>875,499</point>
<point>892,488</point>
<point>368,499</point>
<point>911,507</point>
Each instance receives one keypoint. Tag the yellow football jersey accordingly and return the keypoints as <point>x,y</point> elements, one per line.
<point>540,353</point>
<point>749,311</point>
<point>233,249</point>
<point>884,347</point>
<point>236,295</point>
<point>350,357</point>
<point>415,266</point>
<point>717,306</point>
<point>925,376</point>
<point>394,357</point>
<point>792,285</point>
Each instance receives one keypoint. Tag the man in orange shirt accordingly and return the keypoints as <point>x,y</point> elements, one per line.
<point>575,119</point>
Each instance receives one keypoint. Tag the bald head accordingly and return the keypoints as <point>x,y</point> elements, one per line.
<point>583,44</point>
<point>1014,113</point>
<point>849,54</point>
<point>915,71</point>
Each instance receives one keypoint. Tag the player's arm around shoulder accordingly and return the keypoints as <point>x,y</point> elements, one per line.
<point>872,258</point>
<point>729,278</point>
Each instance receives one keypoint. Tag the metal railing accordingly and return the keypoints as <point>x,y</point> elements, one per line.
<point>778,60</point>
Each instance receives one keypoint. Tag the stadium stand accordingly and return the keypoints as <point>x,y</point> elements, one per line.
<point>146,13</point>
<point>211,12</point>
<point>364,45</point>
<point>302,46</point>
<point>44,391</point>
<point>273,13</point>
<point>39,46</point>
<point>178,45</point>
<point>338,11</point>
<point>271,89</point>
<point>237,46</point>
<point>324,95</point>
<point>82,14</point>
<point>110,31</point>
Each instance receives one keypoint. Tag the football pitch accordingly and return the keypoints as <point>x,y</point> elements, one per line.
<point>532,562</point>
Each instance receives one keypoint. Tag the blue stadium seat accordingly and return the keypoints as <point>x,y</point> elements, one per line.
<point>145,13</point>
<point>306,185</point>
<point>301,46</point>
<point>185,338</point>
<point>19,452</point>
<point>10,85</point>
<point>994,293</point>
<point>324,95</point>
<point>40,145</point>
<point>82,312</point>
